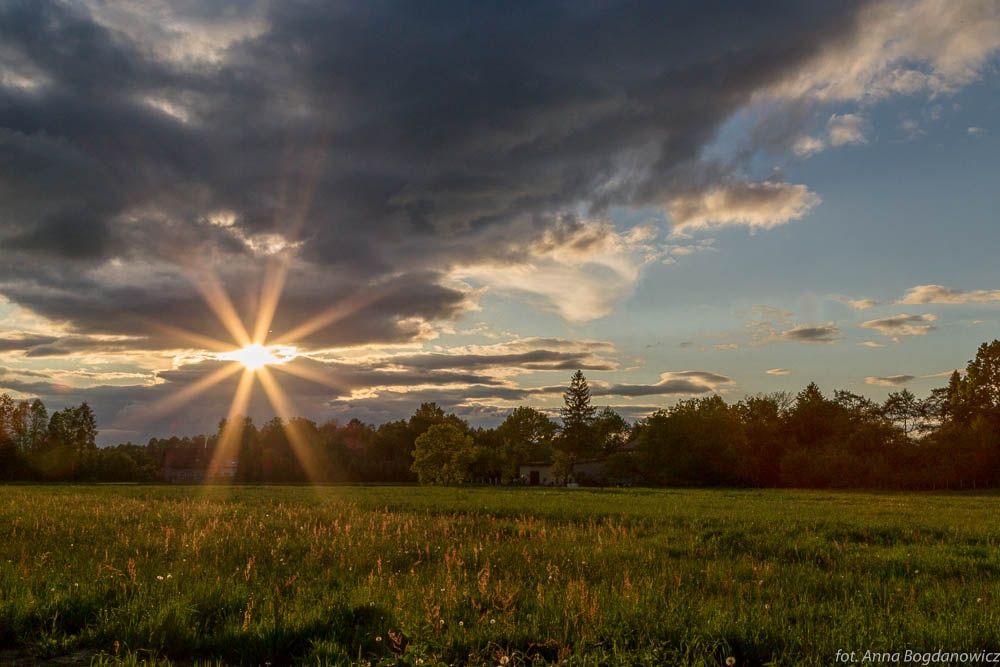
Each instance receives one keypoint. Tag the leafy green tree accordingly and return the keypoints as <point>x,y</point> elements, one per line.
<point>982,381</point>
<point>430,414</point>
<point>38,426</point>
<point>764,422</point>
<point>7,407</point>
<point>611,431</point>
<point>444,454</point>
<point>903,408</point>
<point>525,435</point>
<point>83,428</point>
<point>694,442</point>
<point>562,466</point>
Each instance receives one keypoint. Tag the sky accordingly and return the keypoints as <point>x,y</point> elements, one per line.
<point>466,202</point>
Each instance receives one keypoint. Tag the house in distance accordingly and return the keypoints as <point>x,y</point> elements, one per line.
<point>190,465</point>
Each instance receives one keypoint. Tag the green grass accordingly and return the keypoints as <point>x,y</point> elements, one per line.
<point>491,576</point>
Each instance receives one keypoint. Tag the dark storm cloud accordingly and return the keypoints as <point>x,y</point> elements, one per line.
<point>390,140</point>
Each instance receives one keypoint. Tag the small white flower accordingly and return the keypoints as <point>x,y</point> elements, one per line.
<point>461,623</point>
<point>159,577</point>
<point>493,621</point>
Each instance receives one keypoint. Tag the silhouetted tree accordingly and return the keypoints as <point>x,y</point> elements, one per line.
<point>577,434</point>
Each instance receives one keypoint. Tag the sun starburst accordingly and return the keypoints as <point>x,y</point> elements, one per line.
<point>251,351</point>
<point>255,356</point>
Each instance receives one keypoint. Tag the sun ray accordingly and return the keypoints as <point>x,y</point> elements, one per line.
<point>218,300</point>
<point>329,316</point>
<point>228,446</point>
<point>277,270</point>
<point>270,296</point>
<point>301,447</point>
<point>201,340</point>
<point>309,374</point>
<point>183,396</point>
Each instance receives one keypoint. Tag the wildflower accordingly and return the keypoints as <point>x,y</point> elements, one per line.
<point>378,639</point>
<point>461,624</point>
<point>441,621</point>
<point>504,659</point>
<point>730,661</point>
<point>493,620</point>
<point>159,577</point>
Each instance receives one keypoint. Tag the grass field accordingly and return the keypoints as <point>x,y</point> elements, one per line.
<point>337,575</point>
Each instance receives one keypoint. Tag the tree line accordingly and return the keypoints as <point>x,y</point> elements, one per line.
<point>950,439</point>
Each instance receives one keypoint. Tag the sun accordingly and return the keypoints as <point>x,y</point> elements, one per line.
<point>250,351</point>
<point>256,356</point>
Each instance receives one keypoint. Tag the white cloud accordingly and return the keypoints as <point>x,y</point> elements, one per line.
<point>922,294</point>
<point>778,371</point>
<point>847,129</point>
<point>806,145</point>
<point>902,325</point>
<point>761,205</point>
<point>889,381</point>
<point>931,46</point>
<point>178,32</point>
<point>871,343</point>
<point>825,333</point>
<point>856,304</point>
<point>580,274</point>
<point>976,131</point>
<point>943,374</point>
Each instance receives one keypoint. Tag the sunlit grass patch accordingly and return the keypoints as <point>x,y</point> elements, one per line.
<point>346,574</point>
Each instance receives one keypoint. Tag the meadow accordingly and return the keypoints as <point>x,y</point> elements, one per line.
<point>422,576</point>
